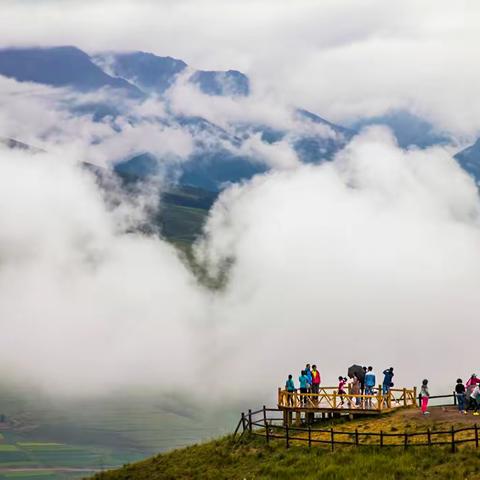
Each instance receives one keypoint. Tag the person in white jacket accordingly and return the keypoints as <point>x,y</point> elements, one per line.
<point>476,396</point>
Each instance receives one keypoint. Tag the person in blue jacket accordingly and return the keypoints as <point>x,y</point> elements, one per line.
<point>303,379</point>
<point>370,382</point>
<point>387,380</point>
<point>290,387</point>
<point>308,373</point>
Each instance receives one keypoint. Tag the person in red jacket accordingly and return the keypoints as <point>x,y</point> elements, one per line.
<point>315,379</point>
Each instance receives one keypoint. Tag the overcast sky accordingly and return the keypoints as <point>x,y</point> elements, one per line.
<point>340,58</point>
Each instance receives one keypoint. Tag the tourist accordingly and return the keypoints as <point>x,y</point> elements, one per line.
<point>473,380</point>
<point>470,386</point>
<point>303,379</point>
<point>356,384</point>
<point>315,380</point>
<point>342,381</point>
<point>460,393</point>
<point>308,373</point>
<point>425,395</point>
<point>476,397</point>
<point>362,381</point>
<point>387,380</point>
<point>370,381</point>
<point>290,387</point>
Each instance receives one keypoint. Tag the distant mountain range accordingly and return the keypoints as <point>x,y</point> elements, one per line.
<point>409,129</point>
<point>219,161</point>
<point>139,75</point>
<point>217,158</point>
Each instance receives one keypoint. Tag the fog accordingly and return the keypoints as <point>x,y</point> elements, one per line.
<point>372,258</point>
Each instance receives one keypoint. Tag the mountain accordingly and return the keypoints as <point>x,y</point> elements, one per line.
<point>409,129</point>
<point>155,74</point>
<point>217,159</point>
<point>149,72</point>
<point>230,83</point>
<point>469,160</point>
<point>16,145</point>
<point>59,67</point>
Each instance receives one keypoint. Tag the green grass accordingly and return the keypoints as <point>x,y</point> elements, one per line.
<point>255,460</point>
<point>252,458</point>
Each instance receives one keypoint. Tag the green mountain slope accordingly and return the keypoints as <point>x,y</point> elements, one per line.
<point>252,458</point>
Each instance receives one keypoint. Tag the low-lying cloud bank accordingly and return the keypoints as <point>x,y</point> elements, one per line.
<point>373,258</point>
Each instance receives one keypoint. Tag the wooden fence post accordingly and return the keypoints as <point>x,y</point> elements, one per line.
<point>404,397</point>
<point>476,436</point>
<point>453,439</point>
<point>406,441</point>
<point>429,437</point>
<point>381,438</point>
<point>332,439</point>
<point>243,421</point>
<point>309,436</point>
<point>250,420</point>
<point>286,435</point>
<point>356,437</point>
<point>267,433</point>
<point>454,399</point>
<point>379,399</point>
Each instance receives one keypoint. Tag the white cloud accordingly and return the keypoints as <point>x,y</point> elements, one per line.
<point>279,155</point>
<point>370,259</point>
<point>340,58</point>
<point>85,306</point>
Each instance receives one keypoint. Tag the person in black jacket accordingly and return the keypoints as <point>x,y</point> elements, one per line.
<point>460,393</point>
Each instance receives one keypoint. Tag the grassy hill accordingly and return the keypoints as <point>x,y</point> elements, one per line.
<point>252,458</point>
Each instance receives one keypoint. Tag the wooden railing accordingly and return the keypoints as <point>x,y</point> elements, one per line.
<point>262,423</point>
<point>329,398</point>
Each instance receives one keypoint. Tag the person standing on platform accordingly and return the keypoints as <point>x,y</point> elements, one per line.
<point>356,388</point>
<point>425,395</point>
<point>362,385</point>
<point>303,379</point>
<point>387,380</point>
<point>308,373</point>
<point>342,381</point>
<point>290,387</point>
<point>315,379</point>
<point>370,382</point>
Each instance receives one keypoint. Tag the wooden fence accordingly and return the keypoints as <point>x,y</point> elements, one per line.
<point>265,424</point>
<point>328,398</point>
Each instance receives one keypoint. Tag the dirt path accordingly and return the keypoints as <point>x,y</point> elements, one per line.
<point>440,414</point>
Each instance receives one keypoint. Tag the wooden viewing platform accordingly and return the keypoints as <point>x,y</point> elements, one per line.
<point>329,402</point>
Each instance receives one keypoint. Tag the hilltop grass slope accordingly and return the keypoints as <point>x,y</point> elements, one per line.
<point>252,458</point>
